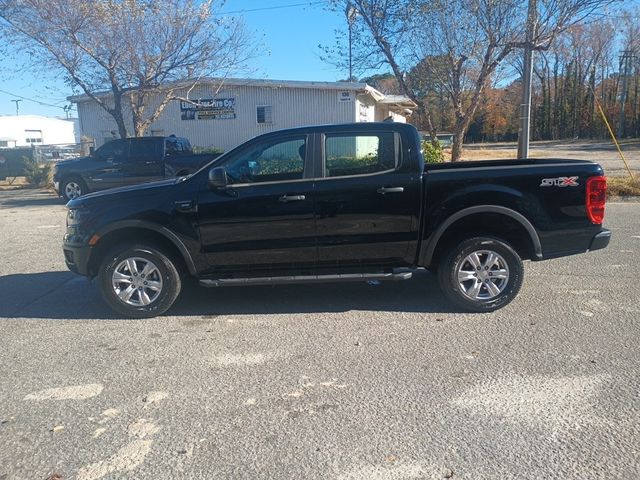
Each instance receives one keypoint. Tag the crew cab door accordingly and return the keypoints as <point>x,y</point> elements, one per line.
<point>106,167</point>
<point>145,161</point>
<point>264,219</point>
<point>367,199</point>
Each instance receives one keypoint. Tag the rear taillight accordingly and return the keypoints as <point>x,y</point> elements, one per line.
<point>596,198</point>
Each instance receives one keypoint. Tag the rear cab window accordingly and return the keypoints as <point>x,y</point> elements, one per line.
<point>173,146</point>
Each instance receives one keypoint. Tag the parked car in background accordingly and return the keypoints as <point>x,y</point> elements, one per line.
<point>334,203</point>
<point>445,138</point>
<point>127,161</point>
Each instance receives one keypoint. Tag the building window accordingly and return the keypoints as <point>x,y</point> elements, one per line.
<point>33,136</point>
<point>4,143</point>
<point>264,114</point>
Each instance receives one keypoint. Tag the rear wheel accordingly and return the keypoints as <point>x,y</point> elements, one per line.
<point>139,281</point>
<point>481,274</point>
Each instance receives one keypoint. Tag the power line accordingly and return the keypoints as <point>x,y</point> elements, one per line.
<point>276,7</point>
<point>31,100</point>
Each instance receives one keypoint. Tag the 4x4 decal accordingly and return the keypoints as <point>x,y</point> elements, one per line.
<point>560,182</point>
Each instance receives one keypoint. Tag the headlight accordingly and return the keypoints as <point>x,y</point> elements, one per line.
<point>75,216</point>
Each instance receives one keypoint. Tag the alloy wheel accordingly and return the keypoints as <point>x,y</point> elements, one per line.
<point>482,275</point>
<point>72,190</point>
<point>137,281</point>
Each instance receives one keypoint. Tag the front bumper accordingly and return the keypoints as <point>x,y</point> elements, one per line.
<point>601,240</point>
<point>77,257</point>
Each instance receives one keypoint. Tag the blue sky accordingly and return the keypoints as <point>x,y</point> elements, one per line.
<point>290,35</point>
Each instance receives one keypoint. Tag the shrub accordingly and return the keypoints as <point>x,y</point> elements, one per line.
<point>209,150</point>
<point>432,151</point>
<point>35,174</point>
<point>623,186</point>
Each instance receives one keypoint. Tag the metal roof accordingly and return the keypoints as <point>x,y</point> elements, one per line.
<point>399,101</point>
<point>253,82</point>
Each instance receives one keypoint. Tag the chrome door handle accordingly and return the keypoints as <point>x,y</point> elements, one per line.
<point>291,198</point>
<point>384,190</point>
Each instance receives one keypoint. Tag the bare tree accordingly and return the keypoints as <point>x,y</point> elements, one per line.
<point>135,50</point>
<point>382,31</point>
<point>471,38</point>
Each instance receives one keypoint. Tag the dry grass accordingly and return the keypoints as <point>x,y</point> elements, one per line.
<point>488,154</point>
<point>495,154</point>
<point>13,183</point>
<point>623,186</point>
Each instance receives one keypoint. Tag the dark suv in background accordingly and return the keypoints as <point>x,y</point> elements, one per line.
<point>127,161</point>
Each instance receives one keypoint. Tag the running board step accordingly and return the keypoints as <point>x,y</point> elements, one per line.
<point>346,277</point>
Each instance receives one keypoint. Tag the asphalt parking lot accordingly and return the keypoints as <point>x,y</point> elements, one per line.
<point>346,382</point>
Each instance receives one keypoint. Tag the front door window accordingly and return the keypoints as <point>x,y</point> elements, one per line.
<point>274,161</point>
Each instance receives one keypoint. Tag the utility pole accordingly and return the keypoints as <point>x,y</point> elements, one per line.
<point>527,74</point>
<point>626,63</point>
<point>350,12</point>
<point>17,102</point>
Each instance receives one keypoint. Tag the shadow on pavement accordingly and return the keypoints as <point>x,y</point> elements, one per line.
<point>64,295</point>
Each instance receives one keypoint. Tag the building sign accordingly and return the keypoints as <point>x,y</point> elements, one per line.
<point>346,96</point>
<point>208,108</point>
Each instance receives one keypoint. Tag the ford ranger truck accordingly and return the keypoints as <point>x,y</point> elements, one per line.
<point>336,203</point>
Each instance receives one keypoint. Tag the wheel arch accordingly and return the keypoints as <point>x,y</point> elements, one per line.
<point>495,220</point>
<point>140,232</point>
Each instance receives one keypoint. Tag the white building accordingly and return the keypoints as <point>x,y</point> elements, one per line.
<point>226,114</point>
<point>30,130</point>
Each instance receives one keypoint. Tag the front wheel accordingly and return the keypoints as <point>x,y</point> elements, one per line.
<point>139,281</point>
<point>481,274</point>
<point>72,188</point>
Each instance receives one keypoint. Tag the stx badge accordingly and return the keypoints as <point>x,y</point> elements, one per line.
<point>560,182</point>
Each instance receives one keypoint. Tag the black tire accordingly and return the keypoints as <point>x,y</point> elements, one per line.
<point>479,292</point>
<point>72,187</point>
<point>147,298</point>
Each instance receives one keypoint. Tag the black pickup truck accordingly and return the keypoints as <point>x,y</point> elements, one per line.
<point>127,161</point>
<point>336,203</point>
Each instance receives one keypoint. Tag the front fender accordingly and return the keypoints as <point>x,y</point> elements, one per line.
<point>158,229</point>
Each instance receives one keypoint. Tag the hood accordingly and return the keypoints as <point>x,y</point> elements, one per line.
<point>123,192</point>
<point>70,162</point>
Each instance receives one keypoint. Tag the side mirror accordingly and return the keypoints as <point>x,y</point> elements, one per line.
<point>218,177</point>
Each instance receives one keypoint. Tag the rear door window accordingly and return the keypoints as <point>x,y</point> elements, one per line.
<point>143,149</point>
<point>360,154</point>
